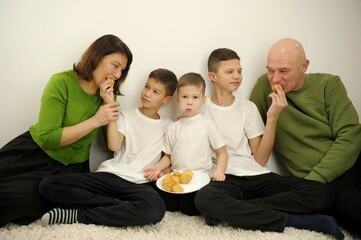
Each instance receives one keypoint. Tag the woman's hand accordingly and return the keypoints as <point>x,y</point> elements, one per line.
<point>107,113</point>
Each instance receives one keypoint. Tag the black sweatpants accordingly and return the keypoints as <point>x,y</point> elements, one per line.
<point>347,206</point>
<point>183,203</point>
<point>22,166</point>
<point>104,198</point>
<point>261,202</point>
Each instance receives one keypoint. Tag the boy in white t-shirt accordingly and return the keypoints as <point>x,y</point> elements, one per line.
<point>118,194</point>
<point>252,197</point>
<point>190,143</point>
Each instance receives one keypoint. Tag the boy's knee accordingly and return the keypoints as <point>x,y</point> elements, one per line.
<point>201,199</point>
<point>157,211</point>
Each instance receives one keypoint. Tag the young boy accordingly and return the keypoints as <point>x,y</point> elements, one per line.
<point>252,197</point>
<point>117,194</point>
<point>190,143</point>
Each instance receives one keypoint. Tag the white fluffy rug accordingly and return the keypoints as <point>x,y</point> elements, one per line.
<point>174,226</point>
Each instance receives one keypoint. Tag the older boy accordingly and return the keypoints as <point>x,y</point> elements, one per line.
<point>190,143</point>
<point>117,194</point>
<point>252,197</point>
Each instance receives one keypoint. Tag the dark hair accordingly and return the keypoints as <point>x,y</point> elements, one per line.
<point>105,45</point>
<point>192,79</point>
<point>167,78</point>
<point>218,55</point>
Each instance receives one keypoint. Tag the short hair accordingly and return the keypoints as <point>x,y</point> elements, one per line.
<point>218,55</point>
<point>103,46</point>
<point>192,79</point>
<point>167,78</point>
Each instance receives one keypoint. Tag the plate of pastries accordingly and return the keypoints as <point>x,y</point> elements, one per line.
<point>181,182</point>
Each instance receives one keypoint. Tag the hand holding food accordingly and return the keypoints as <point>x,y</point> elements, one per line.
<point>112,81</point>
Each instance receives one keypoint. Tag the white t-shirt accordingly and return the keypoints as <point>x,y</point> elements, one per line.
<point>142,145</point>
<point>237,123</point>
<point>191,142</point>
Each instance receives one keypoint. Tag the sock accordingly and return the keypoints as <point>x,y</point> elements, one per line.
<point>315,222</point>
<point>211,221</point>
<point>60,215</point>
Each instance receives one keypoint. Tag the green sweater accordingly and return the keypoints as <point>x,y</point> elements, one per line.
<point>318,134</point>
<point>64,103</point>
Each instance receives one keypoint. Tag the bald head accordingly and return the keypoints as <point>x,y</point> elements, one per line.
<point>287,64</point>
<point>288,48</point>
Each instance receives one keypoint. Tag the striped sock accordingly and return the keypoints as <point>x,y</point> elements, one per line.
<point>60,215</point>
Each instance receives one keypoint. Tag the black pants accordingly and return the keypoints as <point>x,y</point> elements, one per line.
<point>179,202</point>
<point>104,198</point>
<point>22,166</point>
<point>261,202</point>
<point>347,207</point>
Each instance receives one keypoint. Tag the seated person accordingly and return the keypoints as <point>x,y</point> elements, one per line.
<point>117,194</point>
<point>189,144</point>
<point>319,134</point>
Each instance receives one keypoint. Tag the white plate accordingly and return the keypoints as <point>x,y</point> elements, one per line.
<point>199,180</point>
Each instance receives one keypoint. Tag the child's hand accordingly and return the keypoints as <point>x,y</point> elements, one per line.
<point>152,173</point>
<point>218,176</point>
<point>106,90</point>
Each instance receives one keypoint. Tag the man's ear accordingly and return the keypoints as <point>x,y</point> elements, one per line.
<point>305,65</point>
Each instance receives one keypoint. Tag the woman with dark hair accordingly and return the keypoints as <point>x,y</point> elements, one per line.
<point>71,112</point>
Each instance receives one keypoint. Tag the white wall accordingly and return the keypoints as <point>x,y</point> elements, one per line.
<point>41,37</point>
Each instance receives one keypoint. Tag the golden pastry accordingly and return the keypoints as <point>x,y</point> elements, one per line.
<point>274,87</point>
<point>171,182</point>
<point>177,188</point>
<point>186,177</point>
<point>175,179</point>
<point>112,81</point>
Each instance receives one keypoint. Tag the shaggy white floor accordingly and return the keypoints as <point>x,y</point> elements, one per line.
<point>174,226</point>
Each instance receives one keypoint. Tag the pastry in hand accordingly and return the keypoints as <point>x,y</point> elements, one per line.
<point>274,87</point>
<point>112,81</point>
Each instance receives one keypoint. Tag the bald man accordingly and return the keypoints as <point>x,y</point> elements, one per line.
<point>318,135</point>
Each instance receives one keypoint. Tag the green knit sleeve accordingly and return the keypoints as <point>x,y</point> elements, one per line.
<point>259,95</point>
<point>346,129</point>
<point>52,110</point>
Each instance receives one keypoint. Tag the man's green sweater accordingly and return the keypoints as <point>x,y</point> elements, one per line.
<point>318,134</point>
<point>65,103</point>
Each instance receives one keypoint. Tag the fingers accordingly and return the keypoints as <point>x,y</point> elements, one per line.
<point>108,113</point>
<point>218,177</point>
<point>106,91</point>
<point>279,99</point>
